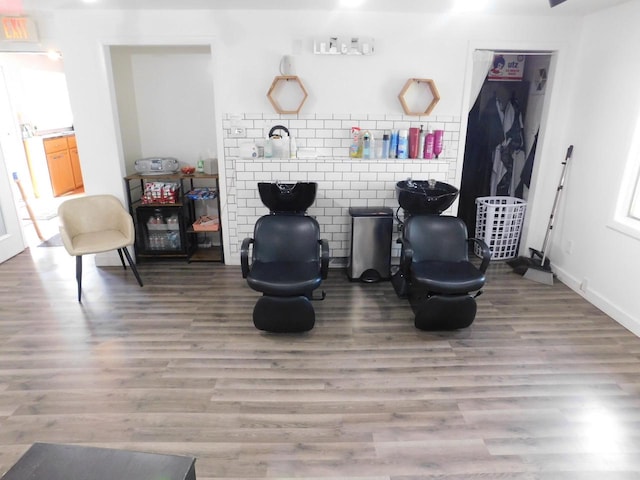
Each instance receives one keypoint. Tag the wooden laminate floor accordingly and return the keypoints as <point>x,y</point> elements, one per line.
<point>541,386</point>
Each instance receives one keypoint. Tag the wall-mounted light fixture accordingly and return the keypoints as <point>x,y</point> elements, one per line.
<point>54,55</point>
<point>287,65</point>
<point>343,45</point>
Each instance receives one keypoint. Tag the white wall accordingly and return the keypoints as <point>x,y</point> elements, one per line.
<point>595,92</point>
<point>125,98</point>
<point>604,111</point>
<point>165,102</point>
<point>246,51</point>
<point>38,90</point>
<point>535,103</point>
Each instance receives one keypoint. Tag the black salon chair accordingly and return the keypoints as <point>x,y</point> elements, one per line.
<point>289,260</point>
<point>436,274</point>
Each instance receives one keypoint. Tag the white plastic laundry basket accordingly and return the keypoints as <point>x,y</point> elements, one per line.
<point>499,223</point>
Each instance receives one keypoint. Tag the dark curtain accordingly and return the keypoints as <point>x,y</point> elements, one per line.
<point>525,177</point>
<point>484,134</point>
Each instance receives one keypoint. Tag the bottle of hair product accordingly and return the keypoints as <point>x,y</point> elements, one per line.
<point>386,145</point>
<point>293,147</point>
<point>414,138</point>
<point>428,145</point>
<point>393,145</point>
<point>438,137</point>
<point>403,144</point>
<point>423,138</point>
<point>367,147</point>
<point>268,148</point>
<point>355,142</point>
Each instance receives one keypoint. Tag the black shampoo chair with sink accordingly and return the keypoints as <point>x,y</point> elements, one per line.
<point>436,274</point>
<point>289,260</point>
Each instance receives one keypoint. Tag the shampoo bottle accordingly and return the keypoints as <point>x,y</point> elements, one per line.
<point>386,145</point>
<point>423,138</point>
<point>367,147</point>
<point>393,145</point>
<point>268,148</point>
<point>428,145</point>
<point>414,138</point>
<point>293,148</point>
<point>438,142</point>
<point>403,144</point>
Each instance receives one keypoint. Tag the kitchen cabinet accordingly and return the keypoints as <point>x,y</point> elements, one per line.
<point>59,163</point>
<point>57,156</point>
<point>165,208</point>
<point>75,162</point>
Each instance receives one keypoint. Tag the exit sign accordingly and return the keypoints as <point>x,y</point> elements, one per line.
<point>18,29</point>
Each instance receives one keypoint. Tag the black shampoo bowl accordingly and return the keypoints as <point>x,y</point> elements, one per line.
<point>418,197</point>
<point>287,197</point>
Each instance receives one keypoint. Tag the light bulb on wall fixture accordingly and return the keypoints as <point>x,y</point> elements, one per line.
<point>54,55</point>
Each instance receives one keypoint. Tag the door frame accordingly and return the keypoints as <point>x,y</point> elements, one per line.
<point>11,238</point>
<point>551,120</point>
<point>11,241</point>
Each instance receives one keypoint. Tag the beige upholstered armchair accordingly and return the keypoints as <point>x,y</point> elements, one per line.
<point>96,224</point>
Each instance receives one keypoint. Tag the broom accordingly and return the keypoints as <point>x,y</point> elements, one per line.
<point>537,267</point>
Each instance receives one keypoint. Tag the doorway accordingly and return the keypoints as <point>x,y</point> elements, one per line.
<point>38,140</point>
<point>502,130</point>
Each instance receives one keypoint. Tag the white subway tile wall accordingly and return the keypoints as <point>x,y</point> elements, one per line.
<point>343,182</point>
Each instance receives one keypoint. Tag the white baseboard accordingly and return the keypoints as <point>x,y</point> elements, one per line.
<point>625,319</point>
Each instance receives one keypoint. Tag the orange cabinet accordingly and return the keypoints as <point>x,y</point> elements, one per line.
<point>61,173</point>
<point>75,167</point>
<point>63,163</point>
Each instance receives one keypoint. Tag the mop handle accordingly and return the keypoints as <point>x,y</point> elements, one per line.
<point>555,203</point>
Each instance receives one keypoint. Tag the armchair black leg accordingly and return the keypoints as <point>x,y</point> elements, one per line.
<point>132,265</point>
<point>79,276</point>
<point>122,258</point>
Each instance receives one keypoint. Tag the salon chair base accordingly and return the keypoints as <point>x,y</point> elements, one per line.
<point>284,314</point>
<point>443,312</point>
<point>400,284</point>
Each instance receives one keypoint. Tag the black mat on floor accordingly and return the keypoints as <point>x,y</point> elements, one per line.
<point>55,241</point>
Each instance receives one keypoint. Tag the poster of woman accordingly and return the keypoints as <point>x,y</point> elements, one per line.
<point>507,67</point>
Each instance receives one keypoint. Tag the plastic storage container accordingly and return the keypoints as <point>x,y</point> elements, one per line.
<point>371,230</point>
<point>499,223</point>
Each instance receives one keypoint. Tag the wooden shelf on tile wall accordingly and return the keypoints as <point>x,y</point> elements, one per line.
<point>276,89</point>
<point>411,86</point>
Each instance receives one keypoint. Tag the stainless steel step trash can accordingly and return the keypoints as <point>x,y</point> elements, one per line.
<point>370,256</point>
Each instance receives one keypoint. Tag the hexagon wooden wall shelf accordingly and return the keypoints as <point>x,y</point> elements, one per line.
<point>273,90</point>
<point>417,81</point>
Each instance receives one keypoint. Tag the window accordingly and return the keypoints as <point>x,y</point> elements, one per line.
<point>634,211</point>
<point>627,215</point>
